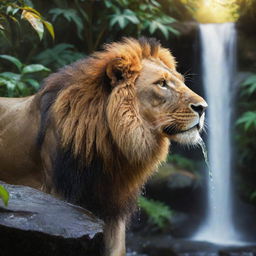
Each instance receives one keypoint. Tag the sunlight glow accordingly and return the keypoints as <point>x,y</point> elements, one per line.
<point>215,11</point>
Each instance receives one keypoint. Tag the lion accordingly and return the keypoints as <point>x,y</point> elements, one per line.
<point>99,128</point>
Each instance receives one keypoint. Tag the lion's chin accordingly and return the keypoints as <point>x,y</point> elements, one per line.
<point>190,137</point>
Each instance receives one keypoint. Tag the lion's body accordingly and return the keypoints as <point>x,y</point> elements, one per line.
<point>96,130</point>
<point>19,156</point>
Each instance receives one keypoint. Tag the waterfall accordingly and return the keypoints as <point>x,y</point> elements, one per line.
<point>218,43</point>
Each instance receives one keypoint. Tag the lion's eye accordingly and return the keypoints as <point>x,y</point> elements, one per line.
<point>162,83</point>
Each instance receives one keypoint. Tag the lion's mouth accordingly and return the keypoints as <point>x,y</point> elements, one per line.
<point>171,130</point>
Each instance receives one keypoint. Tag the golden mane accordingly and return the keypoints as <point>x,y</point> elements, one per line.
<point>93,106</point>
<point>84,112</point>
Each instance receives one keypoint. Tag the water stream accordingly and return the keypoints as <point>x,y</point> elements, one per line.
<point>218,42</point>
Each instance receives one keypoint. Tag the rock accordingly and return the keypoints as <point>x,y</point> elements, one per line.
<point>173,178</point>
<point>35,223</point>
<point>176,187</point>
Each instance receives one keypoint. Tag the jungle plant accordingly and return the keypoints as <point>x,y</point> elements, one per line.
<point>147,15</point>
<point>246,135</point>
<point>129,16</point>
<point>158,213</point>
<point>58,56</point>
<point>23,82</point>
<point>247,121</point>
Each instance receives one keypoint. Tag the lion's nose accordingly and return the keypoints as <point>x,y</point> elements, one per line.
<point>199,108</point>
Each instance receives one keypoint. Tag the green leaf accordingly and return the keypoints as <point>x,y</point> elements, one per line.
<point>250,80</point>
<point>158,213</point>
<point>13,60</point>
<point>35,84</point>
<point>35,22</point>
<point>4,194</point>
<point>152,27</point>
<point>50,28</point>
<point>248,120</point>
<point>34,68</point>
<point>10,76</point>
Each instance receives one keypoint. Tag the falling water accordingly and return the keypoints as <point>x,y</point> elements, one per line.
<point>218,43</point>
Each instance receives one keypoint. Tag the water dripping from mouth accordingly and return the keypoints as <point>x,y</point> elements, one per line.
<point>206,159</point>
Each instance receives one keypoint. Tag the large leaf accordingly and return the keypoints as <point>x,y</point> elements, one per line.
<point>34,68</point>
<point>13,60</point>
<point>50,28</point>
<point>4,194</point>
<point>35,21</point>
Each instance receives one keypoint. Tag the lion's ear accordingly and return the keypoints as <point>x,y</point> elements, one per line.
<point>114,71</point>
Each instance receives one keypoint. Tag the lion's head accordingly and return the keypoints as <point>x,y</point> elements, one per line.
<point>167,105</point>
<point>156,91</point>
<point>128,96</point>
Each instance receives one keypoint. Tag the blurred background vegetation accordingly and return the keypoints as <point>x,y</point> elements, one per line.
<point>39,37</point>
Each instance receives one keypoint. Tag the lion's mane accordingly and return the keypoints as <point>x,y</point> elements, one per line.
<point>104,153</point>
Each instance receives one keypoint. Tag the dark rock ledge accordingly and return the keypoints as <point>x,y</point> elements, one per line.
<point>35,223</point>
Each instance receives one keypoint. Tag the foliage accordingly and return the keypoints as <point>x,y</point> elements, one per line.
<point>58,56</point>
<point>79,29</point>
<point>4,195</point>
<point>181,161</point>
<point>249,85</point>
<point>248,120</point>
<point>21,83</point>
<point>14,11</point>
<point>246,136</point>
<point>159,214</point>
<point>147,15</point>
